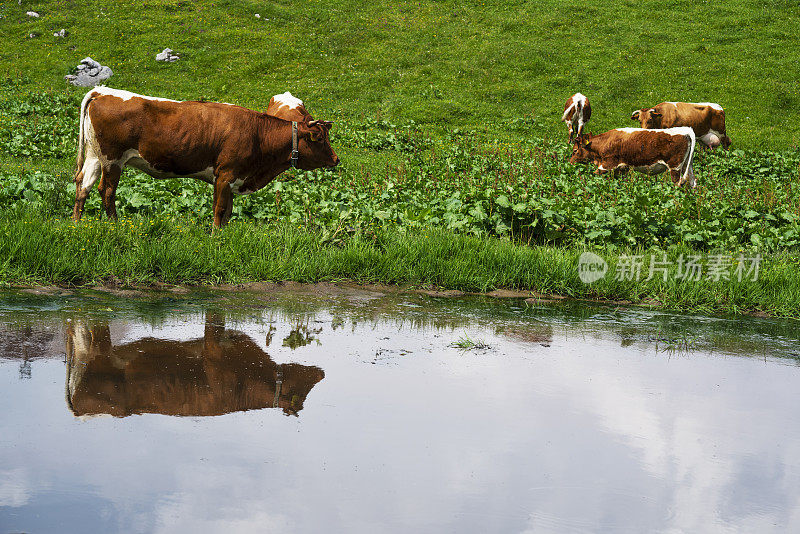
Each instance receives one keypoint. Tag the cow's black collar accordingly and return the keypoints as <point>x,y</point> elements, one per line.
<point>295,152</point>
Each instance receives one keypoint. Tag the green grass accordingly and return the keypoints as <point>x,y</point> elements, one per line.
<point>142,250</point>
<point>447,123</point>
<point>465,343</point>
<point>445,65</point>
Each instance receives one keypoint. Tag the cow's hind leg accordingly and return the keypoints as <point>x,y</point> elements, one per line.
<point>675,174</point>
<point>223,203</point>
<point>108,189</point>
<point>84,181</point>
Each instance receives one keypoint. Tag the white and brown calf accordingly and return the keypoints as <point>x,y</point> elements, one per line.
<point>577,113</point>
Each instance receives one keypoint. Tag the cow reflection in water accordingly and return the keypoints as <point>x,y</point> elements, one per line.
<point>225,371</point>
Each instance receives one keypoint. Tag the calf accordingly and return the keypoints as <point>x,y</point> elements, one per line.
<point>236,149</point>
<point>648,151</point>
<point>706,119</point>
<point>577,113</point>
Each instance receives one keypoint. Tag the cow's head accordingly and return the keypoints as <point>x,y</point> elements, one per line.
<point>314,145</point>
<point>582,151</point>
<point>648,118</point>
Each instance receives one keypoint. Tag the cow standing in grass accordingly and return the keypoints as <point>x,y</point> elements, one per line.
<point>577,113</point>
<point>705,118</point>
<point>236,149</point>
<point>647,151</point>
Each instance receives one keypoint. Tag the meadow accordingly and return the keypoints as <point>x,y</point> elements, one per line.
<point>447,123</point>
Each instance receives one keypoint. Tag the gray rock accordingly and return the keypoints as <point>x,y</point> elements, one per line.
<point>62,33</point>
<point>33,14</point>
<point>167,55</point>
<point>89,73</point>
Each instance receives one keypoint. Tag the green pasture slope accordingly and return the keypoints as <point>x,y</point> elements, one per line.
<point>447,65</point>
<point>447,123</point>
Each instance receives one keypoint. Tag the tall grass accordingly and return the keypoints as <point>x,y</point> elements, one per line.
<point>144,250</point>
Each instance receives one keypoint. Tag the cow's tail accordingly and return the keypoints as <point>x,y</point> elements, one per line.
<point>82,131</point>
<point>565,117</point>
<point>689,157</point>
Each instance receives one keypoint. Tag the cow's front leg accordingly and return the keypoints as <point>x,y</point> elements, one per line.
<point>223,199</point>
<point>228,210</point>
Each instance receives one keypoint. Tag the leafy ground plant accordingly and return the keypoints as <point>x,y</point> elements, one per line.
<point>467,182</point>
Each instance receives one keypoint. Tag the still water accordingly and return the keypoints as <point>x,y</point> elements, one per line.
<point>343,410</point>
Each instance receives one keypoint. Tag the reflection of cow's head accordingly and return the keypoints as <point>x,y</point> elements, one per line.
<point>223,372</point>
<point>648,118</point>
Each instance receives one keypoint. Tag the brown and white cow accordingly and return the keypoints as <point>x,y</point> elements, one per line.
<point>647,151</point>
<point>288,107</point>
<point>705,118</point>
<point>236,149</point>
<point>577,113</point>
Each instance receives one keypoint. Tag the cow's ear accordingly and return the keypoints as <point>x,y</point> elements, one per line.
<point>635,115</point>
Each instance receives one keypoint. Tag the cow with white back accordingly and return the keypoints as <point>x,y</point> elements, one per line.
<point>288,107</point>
<point>577,113</point>
<point>705,118</point>
<point>647,151</point>
<point>236,149</point>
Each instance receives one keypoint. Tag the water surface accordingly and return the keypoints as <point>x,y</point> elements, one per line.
<point>352,411</point>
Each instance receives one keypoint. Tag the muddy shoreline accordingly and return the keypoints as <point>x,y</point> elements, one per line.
<point>339,287</point>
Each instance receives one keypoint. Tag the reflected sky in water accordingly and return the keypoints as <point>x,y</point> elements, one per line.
<point>354,412</point>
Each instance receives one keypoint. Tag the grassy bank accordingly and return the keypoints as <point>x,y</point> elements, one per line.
<point>143,250</point>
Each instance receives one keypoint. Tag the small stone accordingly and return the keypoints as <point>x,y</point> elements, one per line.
<point>62,33</point>
<point>167,55</point>
<point>258,16</point>
<point>33,35</point>
<point>33,14</point>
